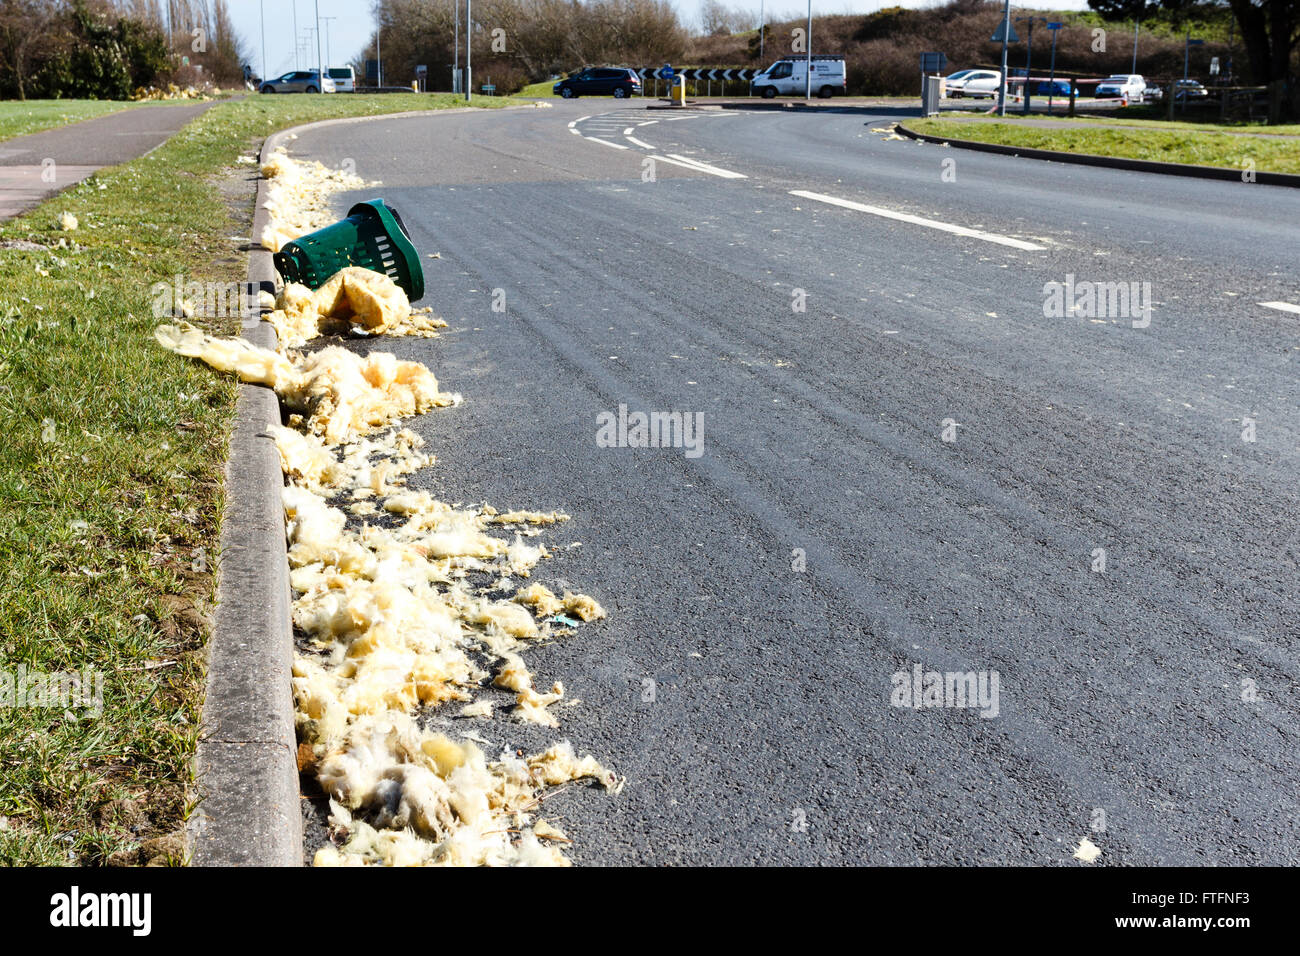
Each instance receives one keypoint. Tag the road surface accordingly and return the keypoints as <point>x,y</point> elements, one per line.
<point>1099,532</point>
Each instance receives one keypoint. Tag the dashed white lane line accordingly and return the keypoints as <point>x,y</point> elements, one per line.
<point>636,142</point>
<point>919,221</point>
<point>1282,307</point>
<point>605,142</point>
<point>648,123</point>
<point>705,167</point>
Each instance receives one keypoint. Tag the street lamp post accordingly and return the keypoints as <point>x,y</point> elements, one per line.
<point>320,64</point>
<point>297,35</point>
<point>807,92</point>
<point>455,49</point>
<point>762,29</point>
<point>469,48</point>
<point>328,55</point>
<point>1051,80</point>
<point>1006,32</point>
<point>1029,59</point>
<point>262,5</point>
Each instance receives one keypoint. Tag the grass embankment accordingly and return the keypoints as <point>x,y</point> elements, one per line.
<point>111,483</point>
<point>18,118</point>
<point>1168,146</point>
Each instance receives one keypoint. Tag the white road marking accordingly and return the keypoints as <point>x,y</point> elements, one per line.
<point>576,132</point>
<point>636,142</point>
<point>706,168</point>
<point>628,131</point>
<point>1282,306</point>
<point>605,142</point>
<point>648,123</point>
<point>919,221</point>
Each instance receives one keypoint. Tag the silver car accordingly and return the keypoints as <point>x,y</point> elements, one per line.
<point>298,81</point>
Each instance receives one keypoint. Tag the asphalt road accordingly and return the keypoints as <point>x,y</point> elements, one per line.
<point>1151,707</point>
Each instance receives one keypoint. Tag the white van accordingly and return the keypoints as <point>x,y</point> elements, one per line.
<point>789,77</point>
<point>344,77</point>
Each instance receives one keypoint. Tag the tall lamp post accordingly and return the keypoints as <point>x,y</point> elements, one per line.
<point>1137,25</point>
<point>320,63</point>
<point>807,92</point>
<point>455,48</point>
<point>469,48</point>
<point>297,36</point>
<point>1006,32</point>
<point>1051,80</point>
<point>328,55</point>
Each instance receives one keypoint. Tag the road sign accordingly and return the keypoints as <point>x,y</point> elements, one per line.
<point>1195,42</point>
<point>933,62</point>
<point>1214,66</point>
<point>421,70</point>
<point>1011,37</point>
<point>1055,26</point>
<point>666,73</point>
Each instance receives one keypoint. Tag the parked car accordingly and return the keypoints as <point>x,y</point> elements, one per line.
<point>1190,90</point>
<point>298,81</point>
<point>972,83</point>
<point>1153,92</point>
<point>1053,88</point>
<point>1121,86</point>
<point>790,77</point>
<point>344,77</point>
<point>618,82</point>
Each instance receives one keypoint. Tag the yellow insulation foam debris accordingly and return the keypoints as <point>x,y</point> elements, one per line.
<point>298,197</point>
<point>391,621</point>
<point>339,393</point>
<point>353,299</point>
<point>403,796</point>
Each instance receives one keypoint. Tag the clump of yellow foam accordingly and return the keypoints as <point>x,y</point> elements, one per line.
<point>338,393</point>
<point>354,299</point>
<point>402,796</point>
<point>298,198</point>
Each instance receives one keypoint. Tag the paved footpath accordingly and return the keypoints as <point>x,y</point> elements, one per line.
<point>38,165</point>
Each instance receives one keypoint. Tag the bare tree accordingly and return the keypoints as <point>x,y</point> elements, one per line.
<point>23,27</point>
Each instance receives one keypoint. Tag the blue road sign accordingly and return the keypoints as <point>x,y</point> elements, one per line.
<point>666,73</point>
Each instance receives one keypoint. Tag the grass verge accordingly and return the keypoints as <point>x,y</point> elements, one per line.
<point>1171,146</point>
<point>111,484</point>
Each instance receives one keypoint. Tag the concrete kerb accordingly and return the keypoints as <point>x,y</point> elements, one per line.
<point>247,757</point>
<point>1110,162</point>
<point>249,812</point>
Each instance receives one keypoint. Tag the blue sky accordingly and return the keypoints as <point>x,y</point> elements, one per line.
<point>353,23</point>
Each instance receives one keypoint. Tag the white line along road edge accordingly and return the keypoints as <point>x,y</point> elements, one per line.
<point>1282,306</point>
<point>919,221</point>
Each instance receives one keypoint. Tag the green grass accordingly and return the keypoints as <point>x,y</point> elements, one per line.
<point>111,484</point>
<point>18,118</point>
<point>1170,146</point>
<point>1147,117</point>
<point>539,89</point>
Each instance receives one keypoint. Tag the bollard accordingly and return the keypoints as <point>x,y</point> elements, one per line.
<point>679,89</point>
<point>1074,89</point>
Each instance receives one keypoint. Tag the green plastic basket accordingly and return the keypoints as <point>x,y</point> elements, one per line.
<point>373,236</point>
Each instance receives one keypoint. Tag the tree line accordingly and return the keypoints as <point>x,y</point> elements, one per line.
<point>111,49</point>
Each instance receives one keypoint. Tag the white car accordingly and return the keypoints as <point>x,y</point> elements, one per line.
<point>1122,86</point>
<point>972,83</point>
